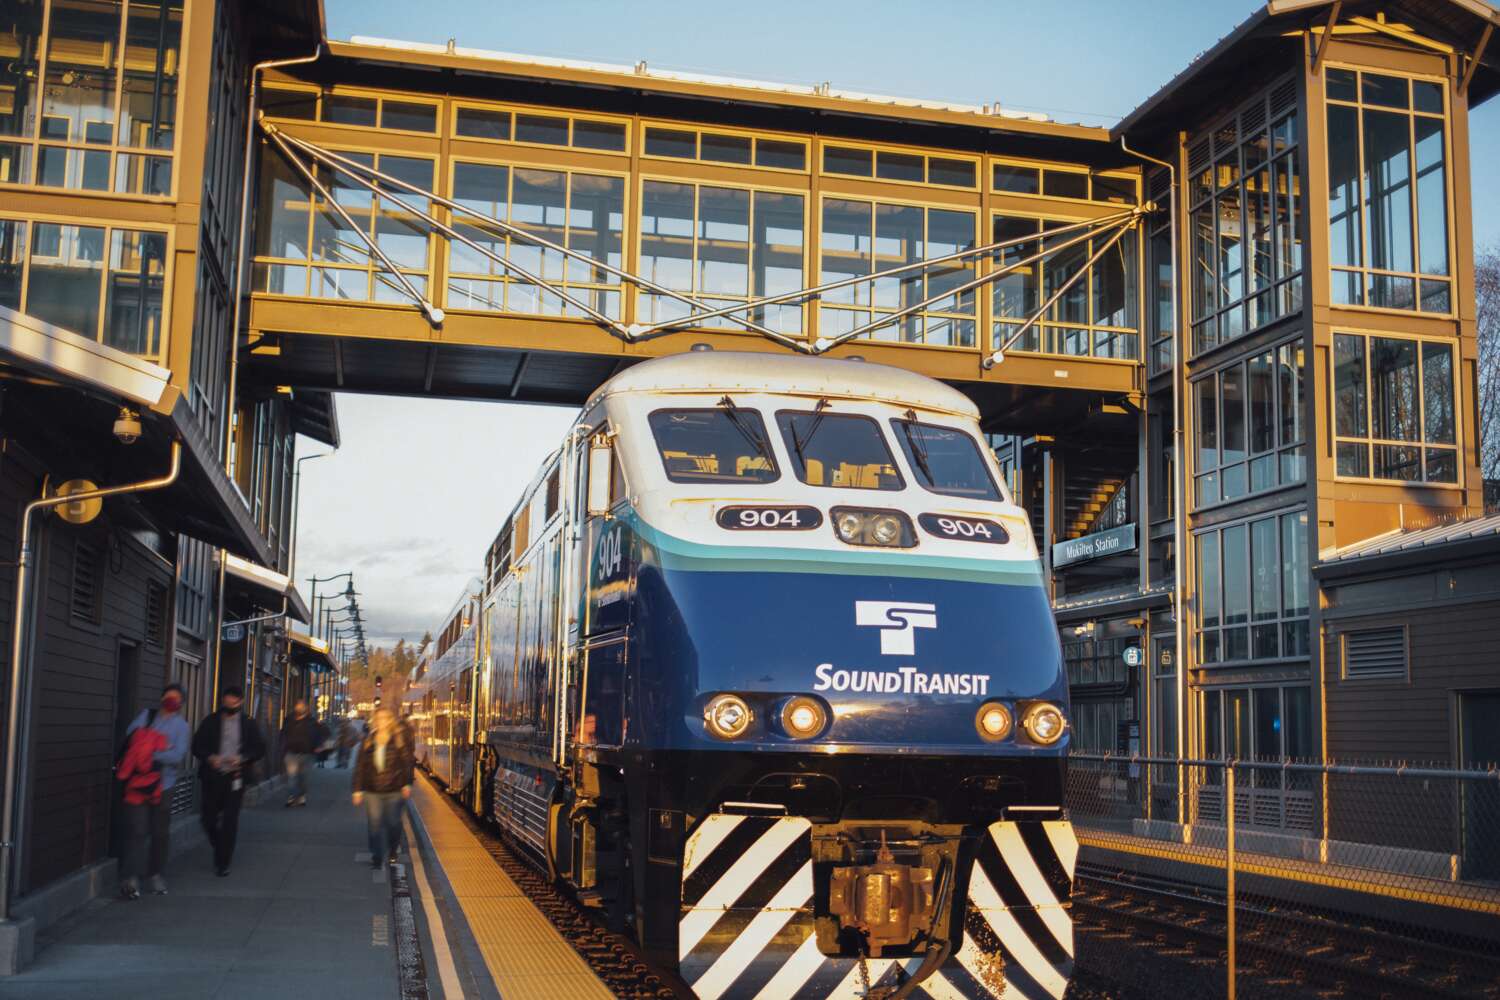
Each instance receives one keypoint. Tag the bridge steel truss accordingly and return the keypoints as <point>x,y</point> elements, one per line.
<point>301,155</point>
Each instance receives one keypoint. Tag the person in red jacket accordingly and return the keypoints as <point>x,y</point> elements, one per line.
<point>142,778</point>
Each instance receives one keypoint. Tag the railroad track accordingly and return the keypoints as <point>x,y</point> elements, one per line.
<point>1286,952</point>
<point>613,957</point>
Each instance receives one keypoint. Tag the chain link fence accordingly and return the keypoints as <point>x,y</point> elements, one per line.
<point>1291,879</point>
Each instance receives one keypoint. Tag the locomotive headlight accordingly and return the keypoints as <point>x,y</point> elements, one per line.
<point>993,721</point>
<point>803,717</point>
<point>885,530</point>
<point>727,716</point>
<point>850,526</point>
<point>1044,722</point>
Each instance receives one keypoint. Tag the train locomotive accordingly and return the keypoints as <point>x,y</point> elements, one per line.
<point>763,667</point>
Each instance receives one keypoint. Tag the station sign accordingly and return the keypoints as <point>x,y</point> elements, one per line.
<point>1095,546</point>
<point>233,632</point>
<point>1134,656</point>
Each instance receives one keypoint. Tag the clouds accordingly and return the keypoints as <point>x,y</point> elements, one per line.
<point>413,499</point>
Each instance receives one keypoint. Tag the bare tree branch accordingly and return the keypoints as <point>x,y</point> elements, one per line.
<point>1487,295</point>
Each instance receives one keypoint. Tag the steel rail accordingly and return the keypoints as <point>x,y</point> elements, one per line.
<point>352,167</point>
<point>818,290</point>
<point>999,352</point>
<point>433,313</point>
<point>826,344</point>
<point>453,234</point>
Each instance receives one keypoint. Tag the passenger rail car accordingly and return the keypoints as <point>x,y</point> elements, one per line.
<point>768,673</point>
<point>444,734</point>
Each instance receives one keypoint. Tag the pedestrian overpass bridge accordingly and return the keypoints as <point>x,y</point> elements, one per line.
<point>473,225</point>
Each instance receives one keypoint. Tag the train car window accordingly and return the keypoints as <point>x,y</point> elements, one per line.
<point>843,450</point>
<point>554,492</point>
<point>945,460</point>
<point>727,445</point>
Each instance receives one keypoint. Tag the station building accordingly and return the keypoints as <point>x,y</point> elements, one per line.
<point>1242,371</point>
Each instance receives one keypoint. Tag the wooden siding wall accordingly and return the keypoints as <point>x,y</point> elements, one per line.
<point>1452,615</point>
<point>73,715</point>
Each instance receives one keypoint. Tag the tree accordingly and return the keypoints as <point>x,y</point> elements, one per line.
<point>1487,296</point>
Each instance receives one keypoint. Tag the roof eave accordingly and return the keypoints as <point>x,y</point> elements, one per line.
<point>430,60</point>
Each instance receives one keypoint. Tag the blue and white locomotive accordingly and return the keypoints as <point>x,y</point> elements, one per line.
<point>766,670</point>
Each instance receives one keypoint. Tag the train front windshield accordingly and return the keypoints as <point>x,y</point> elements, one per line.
<point>724,445</point>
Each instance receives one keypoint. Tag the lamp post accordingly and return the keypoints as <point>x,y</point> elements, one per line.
<point>297,509</point>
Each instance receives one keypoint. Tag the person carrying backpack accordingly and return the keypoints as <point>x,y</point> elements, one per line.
<point>148,802</point>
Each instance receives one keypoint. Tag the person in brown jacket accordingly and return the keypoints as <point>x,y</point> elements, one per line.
<point>382,783</point>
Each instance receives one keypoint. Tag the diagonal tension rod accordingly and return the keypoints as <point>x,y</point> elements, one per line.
<point>360,171</point>
<point>614,326</point>
<point>890,272</point>
<point>433,313</point>
<point>999,353</point>
<point>1122,226</point>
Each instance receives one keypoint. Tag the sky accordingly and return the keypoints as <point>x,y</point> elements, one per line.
<point>413,533</point>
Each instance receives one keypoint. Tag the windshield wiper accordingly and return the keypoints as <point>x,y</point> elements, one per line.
<point>738,420</point>
<point>798,441</point>
<point>918,446</point>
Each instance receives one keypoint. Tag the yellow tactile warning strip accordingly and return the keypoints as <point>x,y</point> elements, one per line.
<point>1414,888</point>
<point>526,956</point>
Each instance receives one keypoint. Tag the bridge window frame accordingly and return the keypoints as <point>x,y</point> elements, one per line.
<point>515,111</point>
<point>1044,168</point>
<point>380,288</point>
<point>1057,333</point>
<point>861,298</point>
<point>698,132</point>
<point>892,151</point>
<point>321,95</point>
<point>597,293</point>
<point>643,300</point>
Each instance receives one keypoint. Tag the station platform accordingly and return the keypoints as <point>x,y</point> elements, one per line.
<point>303,915</point>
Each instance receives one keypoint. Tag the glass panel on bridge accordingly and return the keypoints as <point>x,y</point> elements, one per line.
<point>1098,316</point>
<point>861,238</point>
<point>722,245</point>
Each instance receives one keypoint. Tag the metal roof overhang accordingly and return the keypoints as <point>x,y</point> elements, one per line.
<point>268,586</point>
<point>1439,554</point>
<point>1457,22</point>
<point>77,385</point>
<point>309,652</point>
<point>315,415</point>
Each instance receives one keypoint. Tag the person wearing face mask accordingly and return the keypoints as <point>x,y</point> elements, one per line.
<point>226,744</point>
<point>150,820</point>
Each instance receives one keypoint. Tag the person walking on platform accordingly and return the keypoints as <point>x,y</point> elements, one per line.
<point>348,740</point>
<point>228,745</point>
<point>382,783</point>
<point>138,769</point>
<point>300,738</point>
<point>149,820</point>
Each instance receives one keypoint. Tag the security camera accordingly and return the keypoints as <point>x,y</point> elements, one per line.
<point>127,426</point>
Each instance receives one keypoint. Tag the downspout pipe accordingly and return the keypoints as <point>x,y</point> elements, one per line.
<point>235,315</point>
<point>19,654</point>
<point>1179,513</point>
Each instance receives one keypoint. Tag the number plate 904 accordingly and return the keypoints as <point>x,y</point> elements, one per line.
<point>770,518</point>
<point>964,529</point>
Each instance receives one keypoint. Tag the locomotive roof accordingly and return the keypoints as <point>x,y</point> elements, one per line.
<point>744,371</point>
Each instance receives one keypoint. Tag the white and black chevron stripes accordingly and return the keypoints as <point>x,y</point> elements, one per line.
<point>746,927</point>
<point>1022,876</point>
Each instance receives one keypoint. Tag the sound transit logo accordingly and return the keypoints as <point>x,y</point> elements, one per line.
<point>898,622</point>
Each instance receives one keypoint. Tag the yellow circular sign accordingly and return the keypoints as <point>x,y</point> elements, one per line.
<point>78,511</point>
